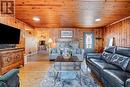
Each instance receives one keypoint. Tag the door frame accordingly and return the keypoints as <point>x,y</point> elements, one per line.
<point>93,42</point>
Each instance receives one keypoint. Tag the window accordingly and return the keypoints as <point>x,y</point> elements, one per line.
<point>88,40</point>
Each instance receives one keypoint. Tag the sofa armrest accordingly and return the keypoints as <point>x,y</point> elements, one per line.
<point>127,83</point>
<point>11,78</point>
<point>94,55</point>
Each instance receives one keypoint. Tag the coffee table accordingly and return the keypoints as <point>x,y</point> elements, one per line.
<point>73,64</point>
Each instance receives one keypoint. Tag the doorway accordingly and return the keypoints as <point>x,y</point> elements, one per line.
<point>89,41</point>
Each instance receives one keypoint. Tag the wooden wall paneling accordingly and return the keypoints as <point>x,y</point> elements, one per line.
<point>118,42</point>
<point>95,41</point>
<point>78,34</point>
<point>117,38</point>
<point>114,34</point>
<point>120,31</point>
<point>121,34</point>
<point>101,40</point>
<point>124,33</point>
<point>104,36</point>
<point>128,34</point>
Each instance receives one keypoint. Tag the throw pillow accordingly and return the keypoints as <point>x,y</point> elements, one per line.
<point>114,58</point>
<point>106,56</point>
<point>53,51</point>
<point>78,51</point>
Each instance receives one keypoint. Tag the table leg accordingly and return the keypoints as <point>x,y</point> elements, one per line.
<point>80,79</point>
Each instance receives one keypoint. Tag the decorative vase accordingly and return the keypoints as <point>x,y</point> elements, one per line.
<point>67,56</point>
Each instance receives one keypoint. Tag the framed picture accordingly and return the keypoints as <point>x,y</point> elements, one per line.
<point>67,34</point>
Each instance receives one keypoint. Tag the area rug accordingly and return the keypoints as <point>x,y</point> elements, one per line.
<point>84,79</point>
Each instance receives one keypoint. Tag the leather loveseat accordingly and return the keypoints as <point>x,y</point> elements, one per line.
<point>112,66</point>
<point>10,79</point>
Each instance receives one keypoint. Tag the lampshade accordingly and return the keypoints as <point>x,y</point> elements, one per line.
<point>50,40</point>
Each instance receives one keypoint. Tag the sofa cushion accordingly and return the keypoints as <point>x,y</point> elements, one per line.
<point>115,77</point>
<point>54,50</point>
<point>106,56</point>
<point>100,64</point>
<point>120,61</point>
<point>78,51</point>
<point>104,65</point>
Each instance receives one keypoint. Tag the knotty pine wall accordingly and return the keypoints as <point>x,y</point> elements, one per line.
<point>54,34</point>
<point>120,31</point>
<point>12,21</point>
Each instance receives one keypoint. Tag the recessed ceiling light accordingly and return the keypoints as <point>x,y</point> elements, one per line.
<point>36,18</point>
<point>98,19</point>
<point>27,29</point>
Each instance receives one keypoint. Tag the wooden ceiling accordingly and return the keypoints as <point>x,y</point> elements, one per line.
<point>71,13</point>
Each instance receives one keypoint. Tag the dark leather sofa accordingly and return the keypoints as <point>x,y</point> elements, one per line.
<point>112,67</point>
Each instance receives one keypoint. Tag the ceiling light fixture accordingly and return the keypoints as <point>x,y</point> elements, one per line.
<point>98,19</point>
<point>36,18</point>
<point>27,29</point>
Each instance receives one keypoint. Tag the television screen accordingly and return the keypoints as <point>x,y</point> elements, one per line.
<point>9,35</point>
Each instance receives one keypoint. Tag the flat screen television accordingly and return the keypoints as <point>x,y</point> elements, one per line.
<point>9,35</point>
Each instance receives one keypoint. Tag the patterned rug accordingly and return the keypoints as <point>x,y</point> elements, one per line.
<point>68,79</point>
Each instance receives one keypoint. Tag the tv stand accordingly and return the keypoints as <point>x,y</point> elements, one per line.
<point>11,58</point>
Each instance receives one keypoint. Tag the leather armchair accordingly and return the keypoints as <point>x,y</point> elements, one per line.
<point>10,79</point>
